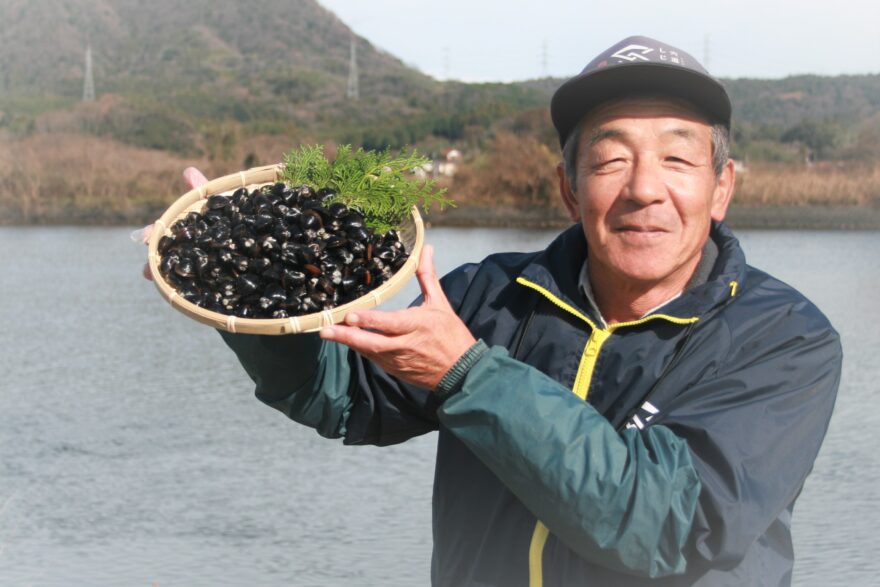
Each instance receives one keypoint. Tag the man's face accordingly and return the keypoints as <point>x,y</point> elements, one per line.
<point>646,191</point>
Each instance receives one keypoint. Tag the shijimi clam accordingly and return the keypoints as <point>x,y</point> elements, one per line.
<point>276,251</point>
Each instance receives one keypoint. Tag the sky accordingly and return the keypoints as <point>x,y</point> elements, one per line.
<point>495,40</point>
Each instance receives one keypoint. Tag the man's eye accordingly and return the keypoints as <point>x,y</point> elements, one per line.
<point>608,162</point>
<point>678,160</point>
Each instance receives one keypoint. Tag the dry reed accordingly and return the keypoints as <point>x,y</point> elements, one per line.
<point>72,178</point>
<point>824,183</point>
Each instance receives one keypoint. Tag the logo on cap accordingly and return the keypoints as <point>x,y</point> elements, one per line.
<point>633,53</point>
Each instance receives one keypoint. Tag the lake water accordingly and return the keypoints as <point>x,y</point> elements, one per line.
<point>132,451</point>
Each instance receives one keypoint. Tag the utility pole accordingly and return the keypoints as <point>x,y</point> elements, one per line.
<point>353,90</point>
<point>89,83</point>
<point>544,69</point>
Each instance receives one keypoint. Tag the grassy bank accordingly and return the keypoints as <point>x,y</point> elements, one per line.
<point>68,178</point>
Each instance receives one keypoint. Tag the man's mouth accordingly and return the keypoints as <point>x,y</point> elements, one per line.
<point>645,229</point>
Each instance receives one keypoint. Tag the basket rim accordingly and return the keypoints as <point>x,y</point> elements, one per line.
<point>273,326</point>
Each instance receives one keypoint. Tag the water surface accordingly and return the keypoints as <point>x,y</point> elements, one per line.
<point>132,451</point>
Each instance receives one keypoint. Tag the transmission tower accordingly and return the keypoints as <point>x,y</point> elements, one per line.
<point>353,91</point>
<point>89,83</point>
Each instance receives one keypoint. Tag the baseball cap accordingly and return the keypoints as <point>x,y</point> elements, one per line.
<point>638,65</point>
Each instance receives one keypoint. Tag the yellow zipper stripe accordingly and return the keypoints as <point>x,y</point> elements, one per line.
<point>667,317</point>
<point>556,301</point>
<point>536,553</point>
<point>588,362</point>
<point>581,388</point>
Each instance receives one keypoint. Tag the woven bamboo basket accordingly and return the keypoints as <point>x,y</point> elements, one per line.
<point>412,235</point>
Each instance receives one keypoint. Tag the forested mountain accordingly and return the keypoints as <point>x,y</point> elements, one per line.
<point>227,84</point>
<point>170,74</point>
<point>177,69</point>
<point>776,118</point>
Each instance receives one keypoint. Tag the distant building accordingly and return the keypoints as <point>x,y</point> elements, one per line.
<point>449,161</point>
<point>446,164</point>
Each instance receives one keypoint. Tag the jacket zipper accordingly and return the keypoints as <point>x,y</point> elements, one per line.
<point>581,388</point>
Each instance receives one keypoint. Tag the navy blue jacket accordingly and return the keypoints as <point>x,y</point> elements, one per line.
<point>663,451</point>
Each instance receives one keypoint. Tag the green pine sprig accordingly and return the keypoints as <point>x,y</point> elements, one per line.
<point>379,184</point>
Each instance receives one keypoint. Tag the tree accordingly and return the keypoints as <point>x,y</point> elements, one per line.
<point>820,138</point>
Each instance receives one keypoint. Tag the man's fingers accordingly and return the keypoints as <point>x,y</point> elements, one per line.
<point>194,177</point>
<point>427,277</point>
<point>142,235</point>
<point>362,341</point>
<point>392,323</point>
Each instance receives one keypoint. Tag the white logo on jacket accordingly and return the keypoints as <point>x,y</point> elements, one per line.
<point>644,415</point>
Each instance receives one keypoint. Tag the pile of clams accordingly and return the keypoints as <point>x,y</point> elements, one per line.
<point>276,252</point>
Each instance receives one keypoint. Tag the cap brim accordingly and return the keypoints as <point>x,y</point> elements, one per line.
<point>581,94</point>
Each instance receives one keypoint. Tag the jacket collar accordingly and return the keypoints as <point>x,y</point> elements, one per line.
<point>557,268</point>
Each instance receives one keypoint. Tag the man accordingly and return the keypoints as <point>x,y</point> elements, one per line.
<point>633,405</point>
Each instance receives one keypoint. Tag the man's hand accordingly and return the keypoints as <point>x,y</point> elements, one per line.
<point>193,178</point>
<point>417,345</point>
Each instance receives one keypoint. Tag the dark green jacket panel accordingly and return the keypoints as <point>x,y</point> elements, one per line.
<point>302,376</point>
<point>623,501</point>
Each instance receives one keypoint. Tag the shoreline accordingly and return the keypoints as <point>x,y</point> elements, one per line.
<point>750,217</point>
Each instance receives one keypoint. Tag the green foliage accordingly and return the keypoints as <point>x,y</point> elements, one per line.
<point>376,182</point>
<point>149,126</point>
<point>299,86</point>
<point>819,137</point>
<point>767,150</point>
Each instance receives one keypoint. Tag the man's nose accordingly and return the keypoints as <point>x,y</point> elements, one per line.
<point>645,185</point>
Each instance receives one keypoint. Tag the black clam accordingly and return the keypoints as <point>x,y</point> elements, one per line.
<point>276,252</point>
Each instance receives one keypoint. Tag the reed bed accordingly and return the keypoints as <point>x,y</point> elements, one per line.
<point>71,178</point>
<point>825,183</point>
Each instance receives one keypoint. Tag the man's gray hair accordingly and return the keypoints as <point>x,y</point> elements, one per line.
<point>720,150</point>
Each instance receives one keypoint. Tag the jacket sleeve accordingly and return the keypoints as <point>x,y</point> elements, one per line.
<point>624,501</point>
<point>304,377</point>
<point>341,394</point>
<point>326,386</point>
<point>755,426</point>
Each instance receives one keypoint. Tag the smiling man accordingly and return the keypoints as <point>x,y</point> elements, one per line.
<point>648,193</point>
<point>633,405</point>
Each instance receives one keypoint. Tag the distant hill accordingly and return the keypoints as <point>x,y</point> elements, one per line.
<point>183,76</point>
<point>775,119</point>
<point>788,101</point>
<point>180,69</point>
<point>253,48</point>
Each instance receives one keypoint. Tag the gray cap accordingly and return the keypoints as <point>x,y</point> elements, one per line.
<point>638,65</point>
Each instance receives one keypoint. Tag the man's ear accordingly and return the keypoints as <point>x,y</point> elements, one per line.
<point>567,194</point>
<point>723,191</point>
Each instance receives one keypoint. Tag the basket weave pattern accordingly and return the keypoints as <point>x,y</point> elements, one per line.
<point>412,235</point>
